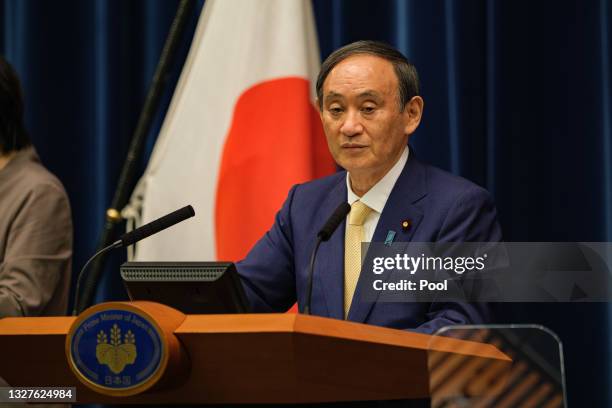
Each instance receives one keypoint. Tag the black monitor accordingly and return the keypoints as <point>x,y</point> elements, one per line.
<point>191,287</point>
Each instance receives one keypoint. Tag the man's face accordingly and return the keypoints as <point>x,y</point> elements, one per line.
<point>366,130</point>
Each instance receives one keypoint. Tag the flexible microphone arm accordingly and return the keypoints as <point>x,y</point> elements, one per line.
<point>132,237</point>
<point>324,235</point>
<point>77,292</point>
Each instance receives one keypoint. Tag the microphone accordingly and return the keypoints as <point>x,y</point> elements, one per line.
<point>334,221</point>
<point>131,238</point>
<point>156,226</point>
<point>324,235</point>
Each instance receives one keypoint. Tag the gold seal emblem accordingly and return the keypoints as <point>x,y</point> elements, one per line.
<point>116,354</point>
<point>118,349</point>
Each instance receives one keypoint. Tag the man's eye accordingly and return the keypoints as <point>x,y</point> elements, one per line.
<point>368,109</point>
<point>335,111</point>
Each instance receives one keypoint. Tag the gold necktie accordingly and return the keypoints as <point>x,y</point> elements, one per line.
<point>352,251</point>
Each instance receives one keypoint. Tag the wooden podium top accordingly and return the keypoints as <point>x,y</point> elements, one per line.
<point>253,358</point>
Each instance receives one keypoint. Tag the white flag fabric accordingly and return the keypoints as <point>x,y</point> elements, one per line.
<point>241,129</point>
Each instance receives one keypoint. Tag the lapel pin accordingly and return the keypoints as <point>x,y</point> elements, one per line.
<point>390,237</point>
<point>406,225</point>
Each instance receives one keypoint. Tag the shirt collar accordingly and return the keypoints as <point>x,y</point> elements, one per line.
<point>377,196</point>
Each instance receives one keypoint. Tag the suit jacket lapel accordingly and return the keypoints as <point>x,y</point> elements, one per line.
<point>410,187</point>
<point>329,268</point>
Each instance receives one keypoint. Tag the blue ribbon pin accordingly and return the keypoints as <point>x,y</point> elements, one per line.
<point>390,237</point>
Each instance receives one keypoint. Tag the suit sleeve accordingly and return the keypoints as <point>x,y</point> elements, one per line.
<point>473,218</point>
<point>267,272</point>
<point>38,253</point>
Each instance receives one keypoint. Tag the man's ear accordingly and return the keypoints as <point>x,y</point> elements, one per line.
<point>413,111</point>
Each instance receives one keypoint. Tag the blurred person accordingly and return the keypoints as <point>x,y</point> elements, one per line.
<point>35,218</point>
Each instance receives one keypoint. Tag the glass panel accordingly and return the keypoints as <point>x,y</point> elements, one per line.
<point>496,366</point>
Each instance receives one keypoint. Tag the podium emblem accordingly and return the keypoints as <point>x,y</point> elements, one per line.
<point>116,349</point>
<point>116,354</point>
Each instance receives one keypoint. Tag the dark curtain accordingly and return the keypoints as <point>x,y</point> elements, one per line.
<point>85,68</point>
<point>517,98</point>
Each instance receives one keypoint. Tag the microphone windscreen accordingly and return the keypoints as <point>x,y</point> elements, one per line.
<point>334,221</point>
<point>158,225</point>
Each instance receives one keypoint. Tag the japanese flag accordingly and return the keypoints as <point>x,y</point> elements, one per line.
<point>241,129</point>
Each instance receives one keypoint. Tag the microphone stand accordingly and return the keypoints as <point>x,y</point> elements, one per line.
<point>332,224</point>
<point>310,275</point>
<point>77,292</point>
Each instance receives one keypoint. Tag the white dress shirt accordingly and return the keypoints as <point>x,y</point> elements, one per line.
<point>377,196</point>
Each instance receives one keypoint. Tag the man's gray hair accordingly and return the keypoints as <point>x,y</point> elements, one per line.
<point>407,77</point>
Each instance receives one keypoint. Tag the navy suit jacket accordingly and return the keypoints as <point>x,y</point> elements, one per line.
<point>442,208</point>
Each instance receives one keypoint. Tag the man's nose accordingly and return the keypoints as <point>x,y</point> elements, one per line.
<point>352,125</point>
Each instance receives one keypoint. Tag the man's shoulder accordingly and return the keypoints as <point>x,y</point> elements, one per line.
<point>455,209</point>
<point>323,185</point>
<point>443,193</point>
<point>314,199</point>
<point>443,184</point>
<point>440,185</point>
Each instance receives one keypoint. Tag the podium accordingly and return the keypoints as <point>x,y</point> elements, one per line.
<point>248,358</point>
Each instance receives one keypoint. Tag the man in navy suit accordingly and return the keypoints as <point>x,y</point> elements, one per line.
<point>368,97</point>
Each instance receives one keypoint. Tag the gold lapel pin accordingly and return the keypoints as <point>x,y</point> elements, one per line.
<point>406,225</point>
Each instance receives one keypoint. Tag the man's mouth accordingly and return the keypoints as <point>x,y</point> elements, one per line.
<point>352,146</point>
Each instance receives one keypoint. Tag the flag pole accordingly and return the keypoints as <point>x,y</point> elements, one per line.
<point>128,174</point>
